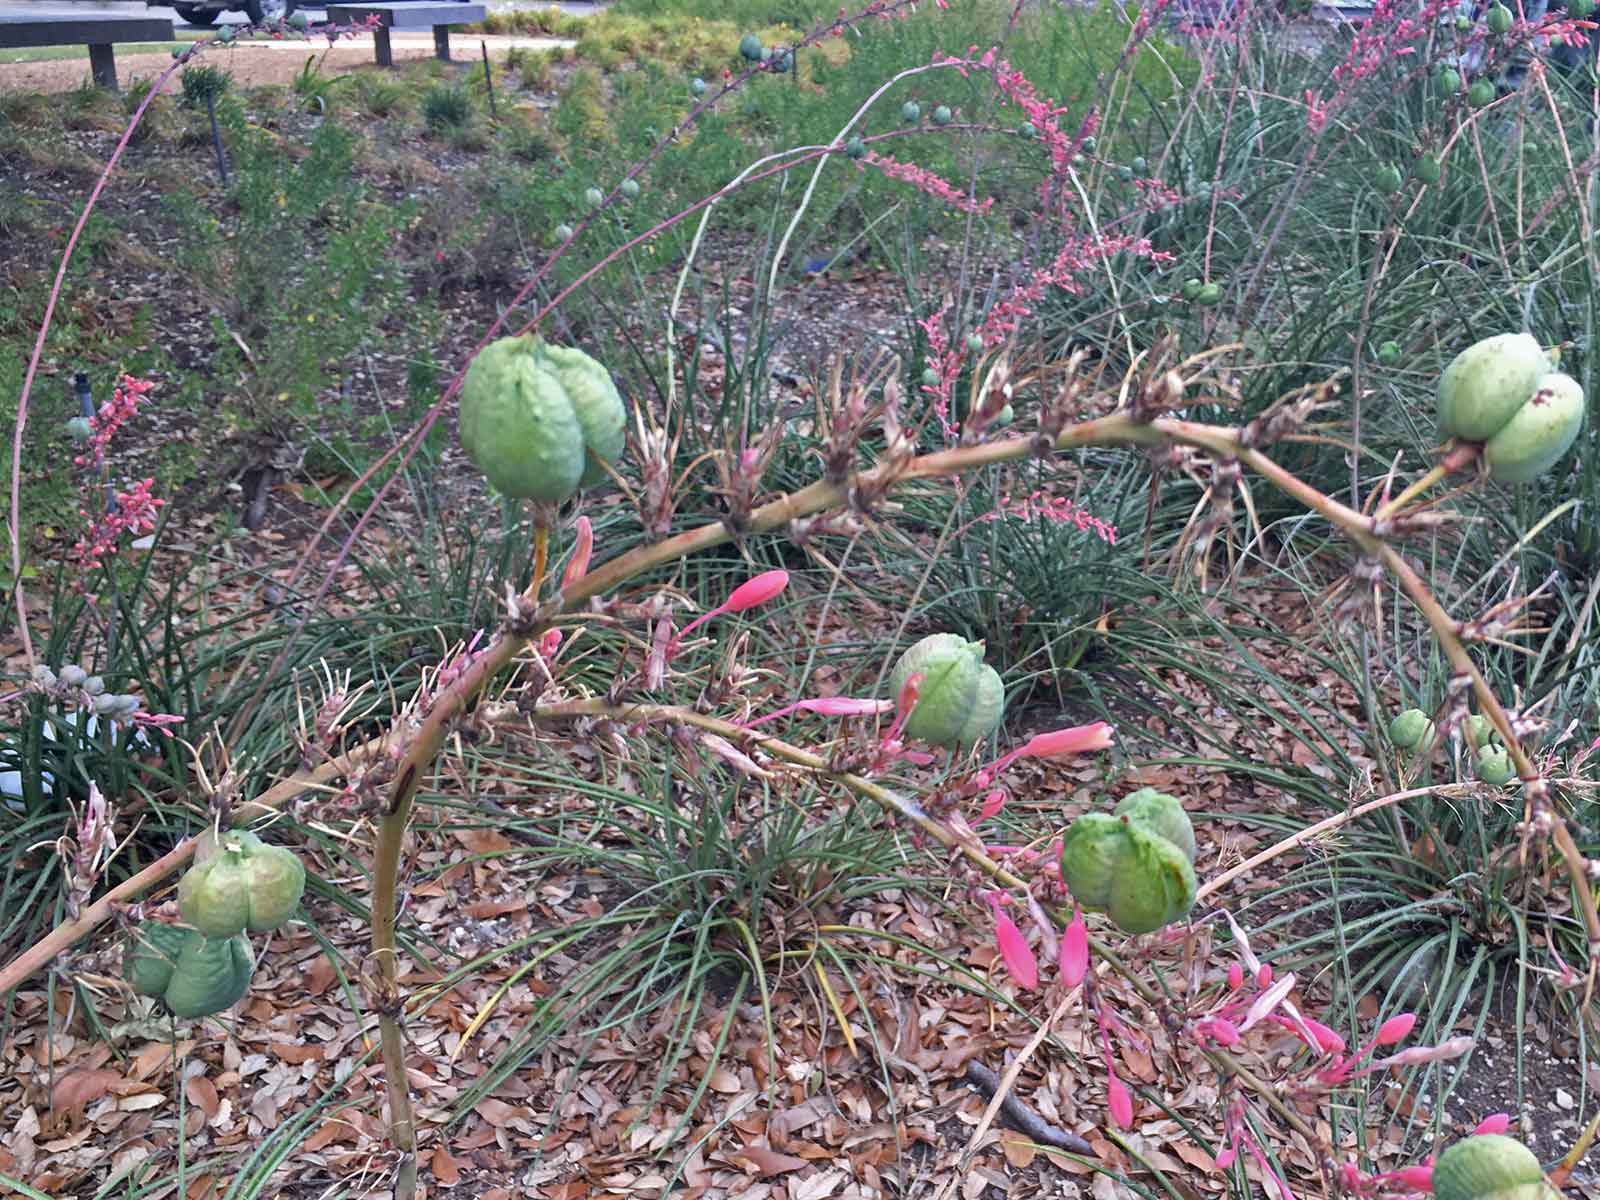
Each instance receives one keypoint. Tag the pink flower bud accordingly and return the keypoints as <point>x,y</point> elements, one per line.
<point>1493,1123</point>
<point>1235,976</point>
<point>1418,1179</point>
<point>549,643</point>
<point>1120,1102</point>
<point>1395,1029</point>
<point>1328,1041</point>
<point>992,804</point>
<point>1068,741</point>
<point>1016,952</point>
<point>1264,975</point>
<point>1225,1158</point>
<point>1075,951</point>
<point>1221,1031</point>
<point>756,591</point>
<point>842,706</point>
<point>578,564</point>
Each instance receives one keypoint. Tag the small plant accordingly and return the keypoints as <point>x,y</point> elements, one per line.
<point>203,84</point>
<point>446,106</point>
<point>380,95</point>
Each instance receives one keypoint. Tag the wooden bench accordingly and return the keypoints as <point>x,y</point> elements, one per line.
<point>25,28</point>
<point>409,14</point>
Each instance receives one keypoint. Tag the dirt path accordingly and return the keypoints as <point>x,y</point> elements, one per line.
<point>257,63</point>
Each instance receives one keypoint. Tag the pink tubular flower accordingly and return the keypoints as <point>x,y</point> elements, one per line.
<point>1235,977</point>
<point>827,706</point>
<point>1014,949</point>
<point>993,802</point>
<point>1493,1123</point>
<point>578,564</point>
<point>1395,1029</point>
<point>933,184</point>
<point>124,403</point>
<point>1057,510</point>
<point>1075,950</point>
<point>133,511</point>
<point>1120,1102</point>
<point>747,595</point>
<point>755,591</point>
<point>1076,740</point>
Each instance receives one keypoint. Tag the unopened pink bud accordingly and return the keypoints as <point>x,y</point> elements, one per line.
<point>1225,1158</point>
<point>1016,952</point>
<point>1075,951</point>
<point>578,564</point>
<point>1264,975</point>
<point>1418,1179</point>
<point>992,804</point>
<point>1395,1029</point>
<point>756,591</point>
<point>1493,1123</point>
<point>842,706</point>
<point>1120,1102</point>
<point>1068,741</point>
<point>1235,976</point>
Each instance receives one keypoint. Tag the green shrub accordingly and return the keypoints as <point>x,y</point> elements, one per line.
<point>446,106</point>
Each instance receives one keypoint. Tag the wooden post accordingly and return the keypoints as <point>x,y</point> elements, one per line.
<point>103,64</point>
<point>441,42</point>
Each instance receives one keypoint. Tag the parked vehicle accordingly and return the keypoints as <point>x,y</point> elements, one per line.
<point>207,12</point>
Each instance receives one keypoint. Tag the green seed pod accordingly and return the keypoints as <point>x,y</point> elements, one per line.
<point>1481,92</point>
<point>563,232</point>
<point>1539,433</point>
<point>1463,24</point>
<point>1427,169</point>
<point>697,86</point>
<point>1162,814</point>
<point>1580,10</point>
<point>1003,418</point>
<point>855,148</point>
<point>152,955</point>
<point>594,197</point>
<point>1139,166</point>
<point>210,976</point>
<point>1477,730</point>
<point>1485,385</point>
<point>975,343</point>
<point>1089,144</point>
<point>911,112</point>
<point>1027,130</point>
<point>1498,19</point>
<point>750,47</point>
<point>961,697</point>
<point>930,377</point>
<point>1489,1166</point>
<point>1411,730</point>
<point>532,414</point>
<point>1125,174</point>
<point>630,189</point>
<point>1387,179</point>
<point>1191,288</point>
<point>79,429</point>
<point>1494,766</point>
<point>942,115</point>
<point>1124,865</point>
<point>246,884</point>
<point>1210,294</point>
<point>1389,353</point>
<point>1449,81</point>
